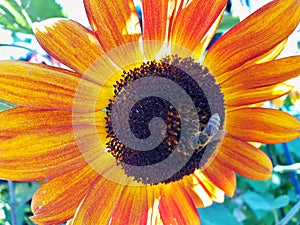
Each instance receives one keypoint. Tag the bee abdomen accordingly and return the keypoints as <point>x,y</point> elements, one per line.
<point>213,124</point>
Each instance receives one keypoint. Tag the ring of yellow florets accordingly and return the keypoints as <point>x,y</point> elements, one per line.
<point>147,108</point>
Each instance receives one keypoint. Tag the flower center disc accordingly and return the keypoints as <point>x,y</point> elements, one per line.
<point>149,121</point>
<point>147,108</point>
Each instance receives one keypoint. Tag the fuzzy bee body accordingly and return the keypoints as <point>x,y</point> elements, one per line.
<point>210,133</point>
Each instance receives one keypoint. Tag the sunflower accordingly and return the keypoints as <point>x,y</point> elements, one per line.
<point>140,130</point>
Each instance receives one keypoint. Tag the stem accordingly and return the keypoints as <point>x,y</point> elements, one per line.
<point>268,150</point>
<point>24,12</point>
<point>289,168</point>
<point>243,2</point>
<point>18,46</point>
<point>293,175</point>
<point>291,214</point>
<point>275,216</point>
<point>12,202</point>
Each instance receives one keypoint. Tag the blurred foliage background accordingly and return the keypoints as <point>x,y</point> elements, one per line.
<point>272,202</point>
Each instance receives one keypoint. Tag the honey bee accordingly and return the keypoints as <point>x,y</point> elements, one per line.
<point>209,134</point>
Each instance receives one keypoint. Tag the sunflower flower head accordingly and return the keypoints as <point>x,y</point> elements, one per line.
<point>142,114</point>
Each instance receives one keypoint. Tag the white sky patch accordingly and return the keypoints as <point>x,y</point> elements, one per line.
<point>75,10</point>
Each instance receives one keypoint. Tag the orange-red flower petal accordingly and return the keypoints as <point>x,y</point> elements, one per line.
<point>132,207</point>
<point>153,195</point>
<point>39,144</point>
<point>52,204</point>
<point>256,95</point>
<point>155,28</point>
<point>244,159</point>
<point>264,74</point>
<point>39,156</point>
<point>221,176</point>
<point>99,203</point>
<point>36,85</point>
<point>213,191</point>
<point>69,42</point>
<point>262,125</point>
<point>22,120</point>
<point>206,40</point>
<point>267,57</point>
<point>115,22</point>
<point>189,184</point>
<point>193,22</point>
<point>176,206</point>
<point>256,35</point>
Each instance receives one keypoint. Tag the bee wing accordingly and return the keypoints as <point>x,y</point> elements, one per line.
<point>211,147</point>
<point>218,136</point>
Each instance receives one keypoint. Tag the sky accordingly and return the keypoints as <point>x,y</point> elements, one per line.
<point>75,10</point>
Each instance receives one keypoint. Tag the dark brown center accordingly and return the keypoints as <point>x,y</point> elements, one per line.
<point>145,109</point>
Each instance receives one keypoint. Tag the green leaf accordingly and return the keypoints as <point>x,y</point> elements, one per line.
<point>24,192</point>
<point>227,22</point>
<point>287,102</point>
<point>39,10</point>
<point>256,201</point>
<point>20,214</point>
<point>18,16</point>
<point>12,17</point>
<point>268,219</point>
<point>281,201</point>
<point>260,186</point>
<point>260,213</point>
<point>5,106</point>
<point>292,196</point>
<point>224,216</point>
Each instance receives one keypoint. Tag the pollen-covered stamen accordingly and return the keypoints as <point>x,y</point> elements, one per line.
<point>146,109</point>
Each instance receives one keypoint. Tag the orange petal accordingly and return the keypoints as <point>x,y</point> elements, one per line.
<point>256,95</point>
<point>100,203</point>
<point>18,121</point>
<point>132,207</point>
<point>256,35</point>
<point>194,21</point>
<point>267,57</point>
<point>210,188</point>
<point>153,195</point>
<point>264,74</point>
<point>69,42</point>
<point>40,144</point>
<point>37,85</point>
<point>262,125</point>
<point>203,44</point>
<point>245,159</point>
<point>154,27</point>
<point>221,176</point>
<point>39,156</point>
<point>114,22</point>
<point>198,192</point>
<point>52,203</point>
<point>189,185</point>
<point>176,206</point>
